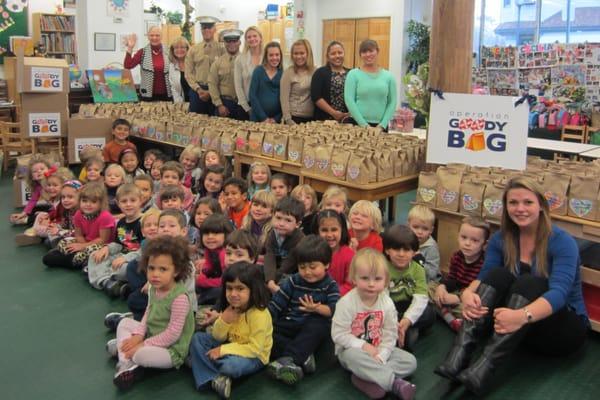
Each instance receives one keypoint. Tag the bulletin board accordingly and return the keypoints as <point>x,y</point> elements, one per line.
<point>13,22</point>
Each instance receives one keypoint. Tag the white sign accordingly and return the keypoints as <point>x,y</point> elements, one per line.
<point>44,124</point>
<point>25,192</point>
<point>44,79</point>
<point>80,143</point>
<point>478,130</point>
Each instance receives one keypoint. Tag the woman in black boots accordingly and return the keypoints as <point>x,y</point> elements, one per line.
<point>528,290</point>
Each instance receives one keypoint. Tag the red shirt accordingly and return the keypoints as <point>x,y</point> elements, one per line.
<point>340,268</point>
<point>373,241</point>
<point>159,86</point>
<point>238,216</point>
<point>112,149</point>
<point>203,281</point>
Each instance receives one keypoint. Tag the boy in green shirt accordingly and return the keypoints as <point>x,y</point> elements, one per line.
<point>408,284</point>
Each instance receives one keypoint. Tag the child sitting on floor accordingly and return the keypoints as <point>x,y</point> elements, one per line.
<point>408,285</point>
<point>36,168</point>
<point>365,225</point>
<point>307,196</point>
<point>241,339</point>
<point>107,268</point>
<point>464,268</point>
<point>162,338</point>
<point>284,237</point>
<point>258,220</point>
<point>364,330</point>
<point>421,220</point>
<point>259,178</point>
<point>120,132</point>
<point>301,311</point>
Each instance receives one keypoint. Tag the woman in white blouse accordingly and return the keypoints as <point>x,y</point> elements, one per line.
<point>179,86</point>
<point>244,66</point>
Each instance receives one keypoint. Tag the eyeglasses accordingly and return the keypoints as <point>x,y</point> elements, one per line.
<point>231,40</point>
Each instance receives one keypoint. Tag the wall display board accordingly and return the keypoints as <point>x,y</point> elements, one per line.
<point>554,69</point>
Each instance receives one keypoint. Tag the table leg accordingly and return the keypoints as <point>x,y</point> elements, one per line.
<point>392,209</point>
<point>237,166</point>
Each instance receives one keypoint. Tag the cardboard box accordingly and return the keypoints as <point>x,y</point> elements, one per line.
<point>42,75</point>
<point>85,132</point>
<point>21,192</point>
<point>44,115</point>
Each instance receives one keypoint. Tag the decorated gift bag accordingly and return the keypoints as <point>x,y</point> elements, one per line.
<point>583,196</point>
<point>358,168</point>
<point>294,148</point>
<point>241,140</point>
<point>556,187</point>
<point>339,163</point>
<point>400,160</point>
<point>227,143</point>
<point>267,145</point>
<point>385,167</point>
<point>197,134</point>
<point>471,198</point>
<point>309,154</point>
<point>323,158</point>
<point>448,190</point>
<point>492,201</point>
<point>427,190</point>
<point>280,142</point>
<point>255,140</point>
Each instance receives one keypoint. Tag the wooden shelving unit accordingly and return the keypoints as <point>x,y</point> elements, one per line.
<point>57,31</point>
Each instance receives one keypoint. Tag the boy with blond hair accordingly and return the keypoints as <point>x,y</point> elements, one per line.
<point>421,221</point>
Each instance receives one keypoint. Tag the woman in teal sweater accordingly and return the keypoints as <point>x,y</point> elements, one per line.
<point>370,91</point>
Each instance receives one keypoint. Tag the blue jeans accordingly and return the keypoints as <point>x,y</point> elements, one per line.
<point>205,369</point>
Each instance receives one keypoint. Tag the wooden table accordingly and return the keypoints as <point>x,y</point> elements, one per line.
<point>448,224</point>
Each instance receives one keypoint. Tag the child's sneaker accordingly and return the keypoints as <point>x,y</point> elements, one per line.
<point>84,272</point>
<point>127,374</point>
<point>222,386</point>
<point>111,347</point>
<point>113,288</point>
<point>111,320</point>
<point>456,324</point>
<point>403,389</point>
<point>310,365</point>
<point>283,369</point>
<point>125,291</point>
<point>371,389</point>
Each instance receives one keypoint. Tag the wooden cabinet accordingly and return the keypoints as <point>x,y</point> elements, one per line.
<point>275,31</point>
<point>351,32</point>
<point>57,32</point>
<point>170,32</point>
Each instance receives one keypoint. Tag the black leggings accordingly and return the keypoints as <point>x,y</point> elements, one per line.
<point>562,333</point>
<point>55,259</point>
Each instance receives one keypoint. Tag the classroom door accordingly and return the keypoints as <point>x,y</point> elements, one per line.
<point>351,32</point>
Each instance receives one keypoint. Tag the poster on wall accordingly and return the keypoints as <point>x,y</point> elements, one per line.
<point>485,131</point>
<point>568,75</point>
<point>117,8</point>
<point>112,85</point>
<point>13,22</point>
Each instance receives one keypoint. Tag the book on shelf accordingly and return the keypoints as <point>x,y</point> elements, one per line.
<point>57,23</point>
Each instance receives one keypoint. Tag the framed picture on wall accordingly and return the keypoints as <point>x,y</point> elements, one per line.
<point>105,41</point>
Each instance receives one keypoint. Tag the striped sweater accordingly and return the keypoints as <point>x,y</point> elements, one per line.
<point>286,302</point>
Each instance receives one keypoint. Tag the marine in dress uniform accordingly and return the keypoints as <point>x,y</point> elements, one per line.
<point>221,81</point>
<point>197,66</point>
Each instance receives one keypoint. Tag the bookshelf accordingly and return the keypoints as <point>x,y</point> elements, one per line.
<point>57,32</point>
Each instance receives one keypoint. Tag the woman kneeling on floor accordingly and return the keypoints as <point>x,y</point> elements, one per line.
<point>529,290</point>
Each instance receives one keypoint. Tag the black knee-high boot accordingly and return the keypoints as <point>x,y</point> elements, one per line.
<point>478,376</point>
<point>468,336</point>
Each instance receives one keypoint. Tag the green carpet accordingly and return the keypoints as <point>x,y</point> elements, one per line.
<point>53,346</point>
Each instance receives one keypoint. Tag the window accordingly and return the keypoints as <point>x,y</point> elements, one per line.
<point>512,23</point>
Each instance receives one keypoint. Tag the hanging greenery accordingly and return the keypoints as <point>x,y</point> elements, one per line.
<point>418,39</point>
<point>186,28</point>
<point>418,96</point>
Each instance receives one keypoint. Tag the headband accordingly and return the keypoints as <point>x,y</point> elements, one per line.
<point>75,184</point>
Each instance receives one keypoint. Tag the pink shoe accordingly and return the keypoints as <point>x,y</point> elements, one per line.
<point>403,389</point>
<point>371,389</point>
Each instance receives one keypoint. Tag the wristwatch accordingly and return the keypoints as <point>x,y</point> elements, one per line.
<point>529,315</point>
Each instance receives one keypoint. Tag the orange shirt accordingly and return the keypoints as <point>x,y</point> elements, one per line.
<point>112,150</point>
<point>238,216</point>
